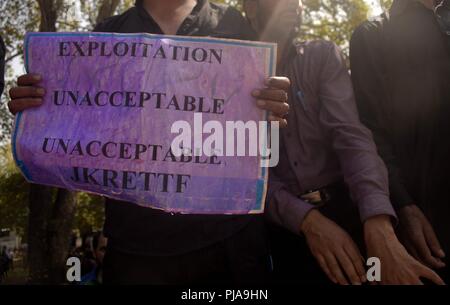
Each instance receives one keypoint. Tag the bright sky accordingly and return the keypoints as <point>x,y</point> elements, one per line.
<point>375,5</point>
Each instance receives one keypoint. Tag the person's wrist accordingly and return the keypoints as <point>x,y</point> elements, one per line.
<point>309,220</point>
<point>408,211</point>
<point>378,228</point>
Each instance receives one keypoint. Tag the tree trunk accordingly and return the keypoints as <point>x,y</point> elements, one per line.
<point>49,14</point>
<point>50,221</point>
<point>40,204</point>
<point>59,230</point>
<point>107,9</point>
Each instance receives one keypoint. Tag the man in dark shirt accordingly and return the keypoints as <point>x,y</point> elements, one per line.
<point>150,246</point>
<point>2,65</point>
<point>330,188</point>
<point>401,73</point>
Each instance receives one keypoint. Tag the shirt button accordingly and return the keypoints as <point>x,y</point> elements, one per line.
<point>295,163</point>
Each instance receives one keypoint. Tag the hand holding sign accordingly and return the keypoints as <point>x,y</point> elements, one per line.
<point>274,98</point>
<point>104,124</point>
<point>26,94</point>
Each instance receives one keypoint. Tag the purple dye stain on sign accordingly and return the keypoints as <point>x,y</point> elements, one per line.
<point>111,99</point>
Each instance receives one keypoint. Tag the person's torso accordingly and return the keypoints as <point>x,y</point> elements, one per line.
<point>145,231</point>
<point>417,81</point>
<point>417,78</point>
<point>307,159</point>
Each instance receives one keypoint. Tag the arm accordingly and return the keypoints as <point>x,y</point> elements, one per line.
<point>284,208</point>
<point>363,170</point>
<point>365,174</point>
<point>368,79</point>
<point>397,266</point>
<point>370,93</point>
<point>333,248</point>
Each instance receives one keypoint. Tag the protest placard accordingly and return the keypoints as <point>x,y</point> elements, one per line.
<point>106,124</point>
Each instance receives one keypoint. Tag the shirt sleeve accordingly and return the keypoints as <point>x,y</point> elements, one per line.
<point>363,170</point>
<point>370,93</point>
<point>284,208</point>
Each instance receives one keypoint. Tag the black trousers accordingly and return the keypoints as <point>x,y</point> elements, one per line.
<point>240,259</point>
<point>293,262</point>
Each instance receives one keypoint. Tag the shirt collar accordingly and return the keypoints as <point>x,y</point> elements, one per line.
<point>200,15</point>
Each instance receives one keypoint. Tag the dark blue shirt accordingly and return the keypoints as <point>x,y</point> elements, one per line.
<point>145,231</point>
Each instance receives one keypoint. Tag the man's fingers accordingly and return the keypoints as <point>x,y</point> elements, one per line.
<point>19,92</point>
<point>18,105</point>
<point>28,79</point>
<point>277,82</point>
<point>425,254</point>
<point>423,250</point>
<point>271,94</point>
<point>26,94</point>
<point>347,264</point>
<point>335,269</point>
<point>278,108</point>
<point>358,262</point>
<point>432,241</point>
<point>273,118</point>
<point>323,264</point>
<point>431,275</point>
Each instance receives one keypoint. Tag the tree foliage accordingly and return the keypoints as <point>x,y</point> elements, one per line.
<point>13,194</point>
<point>333,20</point>
<point>51,212</point>
<point>14,201</point>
